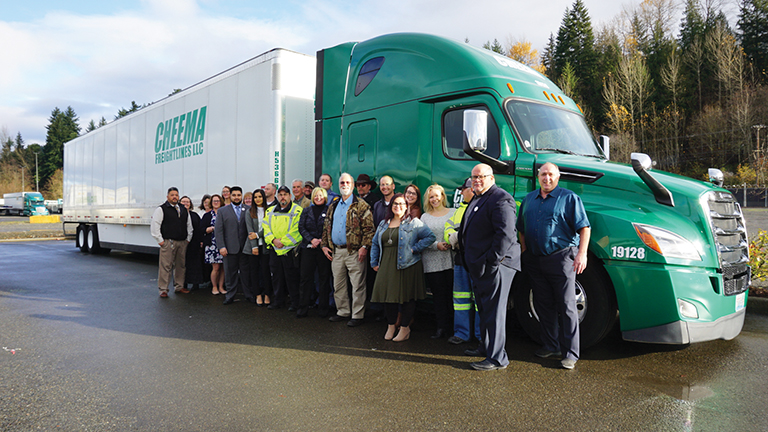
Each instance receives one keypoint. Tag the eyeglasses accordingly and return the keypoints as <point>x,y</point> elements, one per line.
<point>399,204</point>
<point>410,193</point>
<point>481,177</point>
<point>344,182</point>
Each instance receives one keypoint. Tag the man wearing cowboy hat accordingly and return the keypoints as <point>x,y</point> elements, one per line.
<point>364,186</point>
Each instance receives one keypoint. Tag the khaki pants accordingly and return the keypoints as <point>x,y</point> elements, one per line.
<point>172,258</point>
<point>345,264</point>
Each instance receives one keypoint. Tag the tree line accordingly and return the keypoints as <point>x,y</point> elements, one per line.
<point>691,100</point>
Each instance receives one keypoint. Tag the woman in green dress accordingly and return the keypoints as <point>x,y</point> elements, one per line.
<point>396,256</point>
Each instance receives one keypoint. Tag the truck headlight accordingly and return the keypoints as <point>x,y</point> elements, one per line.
<point>667,243</point>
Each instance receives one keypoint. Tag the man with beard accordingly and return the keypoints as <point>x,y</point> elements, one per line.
<point>281,231</point>
<point>172,229</point>
<point>347,236</point>
<point>231,234</point>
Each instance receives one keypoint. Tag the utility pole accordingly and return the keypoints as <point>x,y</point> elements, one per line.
<point>22,178</point>
<point>758,155</point>
<point>37,178</point>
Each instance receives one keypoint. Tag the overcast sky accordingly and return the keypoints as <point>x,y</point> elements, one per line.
<point>97,56</point>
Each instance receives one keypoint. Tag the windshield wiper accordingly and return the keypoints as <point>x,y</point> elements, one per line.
<point>563,151</point>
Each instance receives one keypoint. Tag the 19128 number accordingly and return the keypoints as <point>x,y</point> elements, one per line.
<point>628,252</point>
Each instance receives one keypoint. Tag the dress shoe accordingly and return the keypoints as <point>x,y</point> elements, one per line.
<point>337,318</point>
<point>486,365</point>
<point>163,294</point>
<point>567,363</point>
<point>545,353</point>
<point>301,313</point>
<point>456,340</point>
<point>473,353</point>
<point>228,301</point>
<point>403,335</point>
<point>390,332</point>
<point>183,291</point>
<point>438,334</point>
<point>273,306</point>
<point>354,322</point>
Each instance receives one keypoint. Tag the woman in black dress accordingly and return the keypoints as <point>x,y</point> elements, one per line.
<point>194,273</point>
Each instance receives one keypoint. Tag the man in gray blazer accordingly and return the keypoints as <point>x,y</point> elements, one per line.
<point>231,234</point>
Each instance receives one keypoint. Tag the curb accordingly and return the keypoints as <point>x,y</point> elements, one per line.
<point>757,305</point>
<point>33,239</point>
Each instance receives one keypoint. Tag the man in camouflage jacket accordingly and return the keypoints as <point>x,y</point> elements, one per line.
<point>347,236</point>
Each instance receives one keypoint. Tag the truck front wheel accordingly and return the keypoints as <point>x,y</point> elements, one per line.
<point>595,301</point>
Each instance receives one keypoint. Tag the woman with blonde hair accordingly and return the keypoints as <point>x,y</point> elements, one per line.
<point>312,257</point>
<point>438,263</point>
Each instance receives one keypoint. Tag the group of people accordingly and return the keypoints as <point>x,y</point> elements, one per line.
<point>380,252</point>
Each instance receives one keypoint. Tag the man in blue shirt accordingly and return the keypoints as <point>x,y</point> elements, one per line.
<point>554,230</point>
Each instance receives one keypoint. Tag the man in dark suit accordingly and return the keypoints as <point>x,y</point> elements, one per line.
<point>231,234</point>
<point>491,254</point>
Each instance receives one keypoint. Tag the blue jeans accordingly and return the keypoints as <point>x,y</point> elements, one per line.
<point>463,302</point>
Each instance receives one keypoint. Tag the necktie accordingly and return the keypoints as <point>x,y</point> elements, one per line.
<point>237,212</point>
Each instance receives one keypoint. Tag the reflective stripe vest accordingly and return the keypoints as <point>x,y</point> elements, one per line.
<point>452,224</point>
<point>283,226</point>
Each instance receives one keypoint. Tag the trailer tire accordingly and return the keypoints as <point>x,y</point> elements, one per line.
<point>93,241</point>
<point>595,300</point>
<point>81,238</point>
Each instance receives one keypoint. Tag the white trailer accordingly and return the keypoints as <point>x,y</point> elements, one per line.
<point>247,126</point>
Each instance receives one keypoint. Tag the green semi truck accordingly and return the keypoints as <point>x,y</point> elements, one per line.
<point>668,254</point>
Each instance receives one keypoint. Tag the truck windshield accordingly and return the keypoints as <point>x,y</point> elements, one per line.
<point>545,129</point>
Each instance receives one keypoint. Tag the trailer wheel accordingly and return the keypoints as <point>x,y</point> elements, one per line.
<point>93,240</point>
<point>595,301</point>
<point>81,238</point>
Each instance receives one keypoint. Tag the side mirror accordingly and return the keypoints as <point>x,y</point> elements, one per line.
<point>476,129</point>
<point>715,176</point>
<point>605,145</point>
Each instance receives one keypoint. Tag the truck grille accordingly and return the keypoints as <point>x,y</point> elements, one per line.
<point>730,233</point>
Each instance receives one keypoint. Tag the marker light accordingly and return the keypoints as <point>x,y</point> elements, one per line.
<point>509,86</point>
<point>687,309</point>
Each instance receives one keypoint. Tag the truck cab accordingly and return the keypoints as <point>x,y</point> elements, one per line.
<point>668,254</point>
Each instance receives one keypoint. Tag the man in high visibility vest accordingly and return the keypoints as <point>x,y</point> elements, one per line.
<point>463,299</point>
<point>281,230</point>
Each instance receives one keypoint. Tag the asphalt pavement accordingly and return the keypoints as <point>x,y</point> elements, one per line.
<point>88,345</point>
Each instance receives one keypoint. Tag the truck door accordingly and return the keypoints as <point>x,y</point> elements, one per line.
<point>451,166</point>
<point>361,142</point>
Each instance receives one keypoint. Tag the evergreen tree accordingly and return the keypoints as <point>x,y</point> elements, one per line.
<point>495,47</point>
<point>753,34</point>
<point>62,127</point>
<point>576,46</point>
<point>548,56</point>
<point>122,112</point>
<point>91,126</point>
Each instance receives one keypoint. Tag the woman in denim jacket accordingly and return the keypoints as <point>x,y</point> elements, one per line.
<point>396,256</point>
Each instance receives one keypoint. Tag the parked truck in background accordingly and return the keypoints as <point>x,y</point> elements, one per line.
<point>24,204</point>
<point>668,254</point>
<point>54,206</point>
